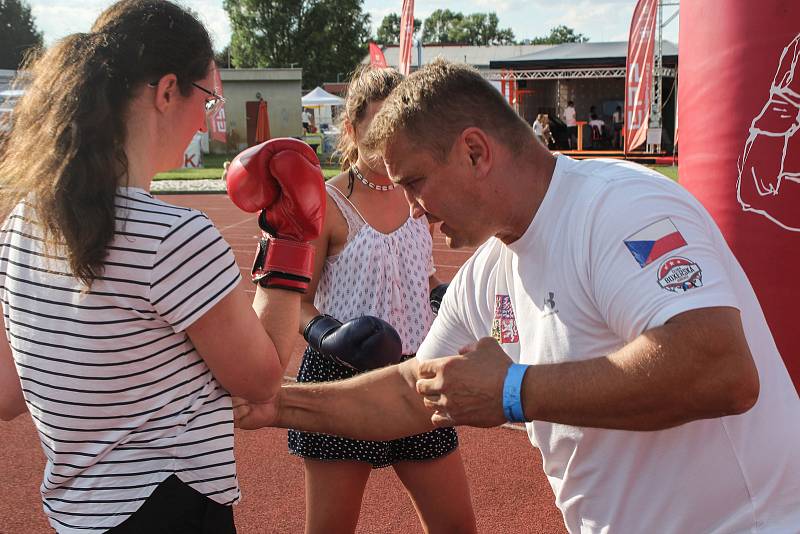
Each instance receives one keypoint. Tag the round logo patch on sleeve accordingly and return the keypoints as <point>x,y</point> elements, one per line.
<point>679,275</point>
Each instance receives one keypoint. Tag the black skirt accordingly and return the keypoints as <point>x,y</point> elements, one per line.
<point>177,508</point>
<point>317,367</point>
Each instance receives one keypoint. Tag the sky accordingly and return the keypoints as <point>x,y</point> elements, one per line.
<point>600,20</point>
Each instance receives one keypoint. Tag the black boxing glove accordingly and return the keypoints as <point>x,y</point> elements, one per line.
<point>437,295</point>
<point>362,343</point>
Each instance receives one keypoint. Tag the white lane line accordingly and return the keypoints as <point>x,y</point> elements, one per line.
<point>234,225</point>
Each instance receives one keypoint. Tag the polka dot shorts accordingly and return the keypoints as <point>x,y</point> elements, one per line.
<point>316,367</point>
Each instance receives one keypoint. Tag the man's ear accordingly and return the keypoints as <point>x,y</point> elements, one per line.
<point>479,150</point>
<point>166,92</point>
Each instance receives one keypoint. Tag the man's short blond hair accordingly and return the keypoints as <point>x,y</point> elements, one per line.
<point>435,104</point>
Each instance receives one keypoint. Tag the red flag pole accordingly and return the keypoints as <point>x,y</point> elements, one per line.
<point>639,73</point>
<point>406,37</point>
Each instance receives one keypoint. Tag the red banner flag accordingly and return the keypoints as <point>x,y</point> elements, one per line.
<point>406,36</point>
<point>376,58</point>
<point>217,126</point>
<point>639,73</point>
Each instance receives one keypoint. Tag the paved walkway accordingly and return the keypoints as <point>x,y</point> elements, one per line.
<point>187,186</point>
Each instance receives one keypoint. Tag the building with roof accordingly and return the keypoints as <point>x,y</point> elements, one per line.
<point>280,88</point>
<point>541,79</point>
<point>479,57</point>
<point>575,55</point>
<point>589,74</point>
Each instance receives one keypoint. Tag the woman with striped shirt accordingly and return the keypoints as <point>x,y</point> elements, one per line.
<point>125,328</point>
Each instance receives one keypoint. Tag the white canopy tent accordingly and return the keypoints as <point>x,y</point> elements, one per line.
<point>321,97</point>
<point>322,100</point>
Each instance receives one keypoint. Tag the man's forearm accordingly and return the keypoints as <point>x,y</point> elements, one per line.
<point>379,405</point>
<point>666,377</point>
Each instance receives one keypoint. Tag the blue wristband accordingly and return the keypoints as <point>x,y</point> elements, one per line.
<point>512,388</point>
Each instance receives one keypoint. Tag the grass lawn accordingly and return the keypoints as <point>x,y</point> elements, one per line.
<point>670,171</point>
<point>213,170</point>
<point>207,173</point>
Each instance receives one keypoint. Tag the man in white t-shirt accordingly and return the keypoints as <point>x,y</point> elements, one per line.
<point>617,123</point>
<point>603,308</point>
<point>570,119</point>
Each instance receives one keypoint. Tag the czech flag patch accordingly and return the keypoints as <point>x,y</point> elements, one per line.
<point>653,241</point>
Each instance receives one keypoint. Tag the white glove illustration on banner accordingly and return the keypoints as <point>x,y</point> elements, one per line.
<point>769,169</point>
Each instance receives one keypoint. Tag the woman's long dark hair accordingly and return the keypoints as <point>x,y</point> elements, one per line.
<point>65,153</point>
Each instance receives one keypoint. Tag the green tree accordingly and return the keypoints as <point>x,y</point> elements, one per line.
<point>445,26</point>
<point>558,35</point>
<point>326,38</point>
<point>442,26</point>
<point>221,57</point>
<point>483,29</point>
<point>18,33</point>
<point>389,30</point>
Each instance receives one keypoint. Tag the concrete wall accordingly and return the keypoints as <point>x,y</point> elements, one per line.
<point>280,88</point>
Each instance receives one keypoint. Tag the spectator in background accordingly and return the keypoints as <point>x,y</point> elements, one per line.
<point>571,121</point>
<point>547,135</point>
<point>598,128</point>
<point>307,120</point>
<point>617,123</point>
<point>537,127</point>
<point>541,129</point>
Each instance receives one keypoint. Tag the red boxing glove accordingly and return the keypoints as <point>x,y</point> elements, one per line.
<point>283,179</point>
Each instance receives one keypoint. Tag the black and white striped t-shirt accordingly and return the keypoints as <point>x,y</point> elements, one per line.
<point>119,395</point>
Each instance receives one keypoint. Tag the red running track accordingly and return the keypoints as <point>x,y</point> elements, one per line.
<point>509,491</point>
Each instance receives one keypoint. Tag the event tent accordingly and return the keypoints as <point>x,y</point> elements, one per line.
<point>324,101</point>
<point>321,97</point>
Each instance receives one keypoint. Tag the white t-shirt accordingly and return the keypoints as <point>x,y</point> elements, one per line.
<point>117,391</point>
<point>615,250</point>
<point>306,117</point>
<point>569,116</point>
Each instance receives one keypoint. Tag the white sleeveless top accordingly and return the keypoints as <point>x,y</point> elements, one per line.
<point>384,275</point>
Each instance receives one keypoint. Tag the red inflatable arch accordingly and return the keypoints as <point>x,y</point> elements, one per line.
<point>739,116</point>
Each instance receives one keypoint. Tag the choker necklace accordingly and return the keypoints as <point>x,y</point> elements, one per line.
<point>354,170</point>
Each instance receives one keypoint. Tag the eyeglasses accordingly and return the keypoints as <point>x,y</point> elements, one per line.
<point>213,103</point>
